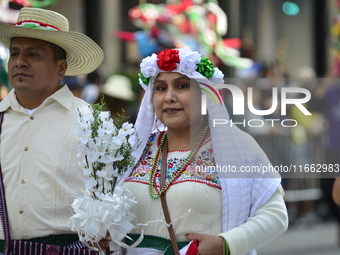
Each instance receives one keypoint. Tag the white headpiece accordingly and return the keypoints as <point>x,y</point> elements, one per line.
<point>184,61</point>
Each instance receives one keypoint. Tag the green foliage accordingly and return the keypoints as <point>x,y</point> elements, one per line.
<point>97,109</point>
<point>125,150</point>
<point>118,122</point>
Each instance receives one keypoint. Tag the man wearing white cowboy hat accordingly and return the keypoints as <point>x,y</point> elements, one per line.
<point>40,176</point>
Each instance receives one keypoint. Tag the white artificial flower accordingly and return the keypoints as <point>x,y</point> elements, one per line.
<point>188,61</point>
<point>144,86</point>
<point>102,151</point>
<point>115,172</point>
<point>85,134</point>
<point>87,193</point>
<point>107,158</point>
<point>118,158</point>
<point>109,169</point>
<point>98,193</point>
<point>91,151</point>
<point>113,146</point>
<point>81,149</point>
<point>90,147</point>
<point>217,77</point>
<point>90,183</point>
<point>107,185</point>
<point>101,147</point>
<point>84,124</point>
<point>105,138</point>
<point>106,127</point>
<point>99,208</point>
<point>127,129</point>
<point>87,170</point>
<point>101,173</point>
<point>105,115</point>
<point>104,174</point>
<point>82,164</point>
<point>218,74</point>
<point>117,141</point>
<point>86,113</point>
<point>149,66</point>
<point>84,110</point>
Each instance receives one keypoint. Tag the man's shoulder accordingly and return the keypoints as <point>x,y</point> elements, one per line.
<point>78,102</point>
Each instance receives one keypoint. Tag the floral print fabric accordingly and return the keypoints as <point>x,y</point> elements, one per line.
<point>201,169</point>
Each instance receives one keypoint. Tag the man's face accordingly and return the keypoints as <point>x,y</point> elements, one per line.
<point>32,69</point>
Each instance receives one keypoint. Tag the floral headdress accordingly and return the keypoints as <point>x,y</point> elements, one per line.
<point>184,61</point>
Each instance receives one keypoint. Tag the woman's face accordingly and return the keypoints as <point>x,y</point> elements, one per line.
<point>171,100</point>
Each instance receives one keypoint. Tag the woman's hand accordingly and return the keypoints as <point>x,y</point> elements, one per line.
<point>104,244</point>
<point>208,245</point>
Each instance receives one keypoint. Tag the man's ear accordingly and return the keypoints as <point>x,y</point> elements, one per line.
<point>62,65</point>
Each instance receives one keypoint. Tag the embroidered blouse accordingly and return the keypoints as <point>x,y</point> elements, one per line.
<point>195,201</point>
<point>201,169</point>
<point>196,189</point>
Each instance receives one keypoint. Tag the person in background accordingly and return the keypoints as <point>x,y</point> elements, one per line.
<point>39,163</point>
<point>336,191</point>
<point>4,86</point>
<point>330,98</point>
<point>3,91</point>
<point>118,95</point>
<point>92,91</point>
<point>74,84</point>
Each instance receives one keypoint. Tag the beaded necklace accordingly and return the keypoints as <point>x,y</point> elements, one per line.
<point>156,192</point>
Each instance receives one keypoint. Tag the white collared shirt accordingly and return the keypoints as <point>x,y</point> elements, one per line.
<point>40,164</point>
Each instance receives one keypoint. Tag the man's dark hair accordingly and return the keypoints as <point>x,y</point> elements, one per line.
<point>58,52</point>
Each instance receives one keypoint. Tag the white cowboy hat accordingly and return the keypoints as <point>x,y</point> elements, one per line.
<point>119,86</point>
<point>83,55</point>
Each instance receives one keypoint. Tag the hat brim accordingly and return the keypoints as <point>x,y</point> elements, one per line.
<point>83,55</point>
<point>123,94</point>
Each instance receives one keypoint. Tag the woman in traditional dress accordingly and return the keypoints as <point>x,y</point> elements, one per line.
<point>213,210</point>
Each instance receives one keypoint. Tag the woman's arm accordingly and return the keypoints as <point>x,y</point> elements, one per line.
<point>336,191</point>
<point>269,221</point>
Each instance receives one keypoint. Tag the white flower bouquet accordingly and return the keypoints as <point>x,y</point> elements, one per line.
<point>106,147</point>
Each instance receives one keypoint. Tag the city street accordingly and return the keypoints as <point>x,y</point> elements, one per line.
<point>319,239</point>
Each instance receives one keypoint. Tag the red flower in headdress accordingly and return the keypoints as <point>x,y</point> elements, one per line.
<point>168,59</point>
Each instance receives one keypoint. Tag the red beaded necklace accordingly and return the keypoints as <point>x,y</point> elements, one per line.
<point>156,192</point>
